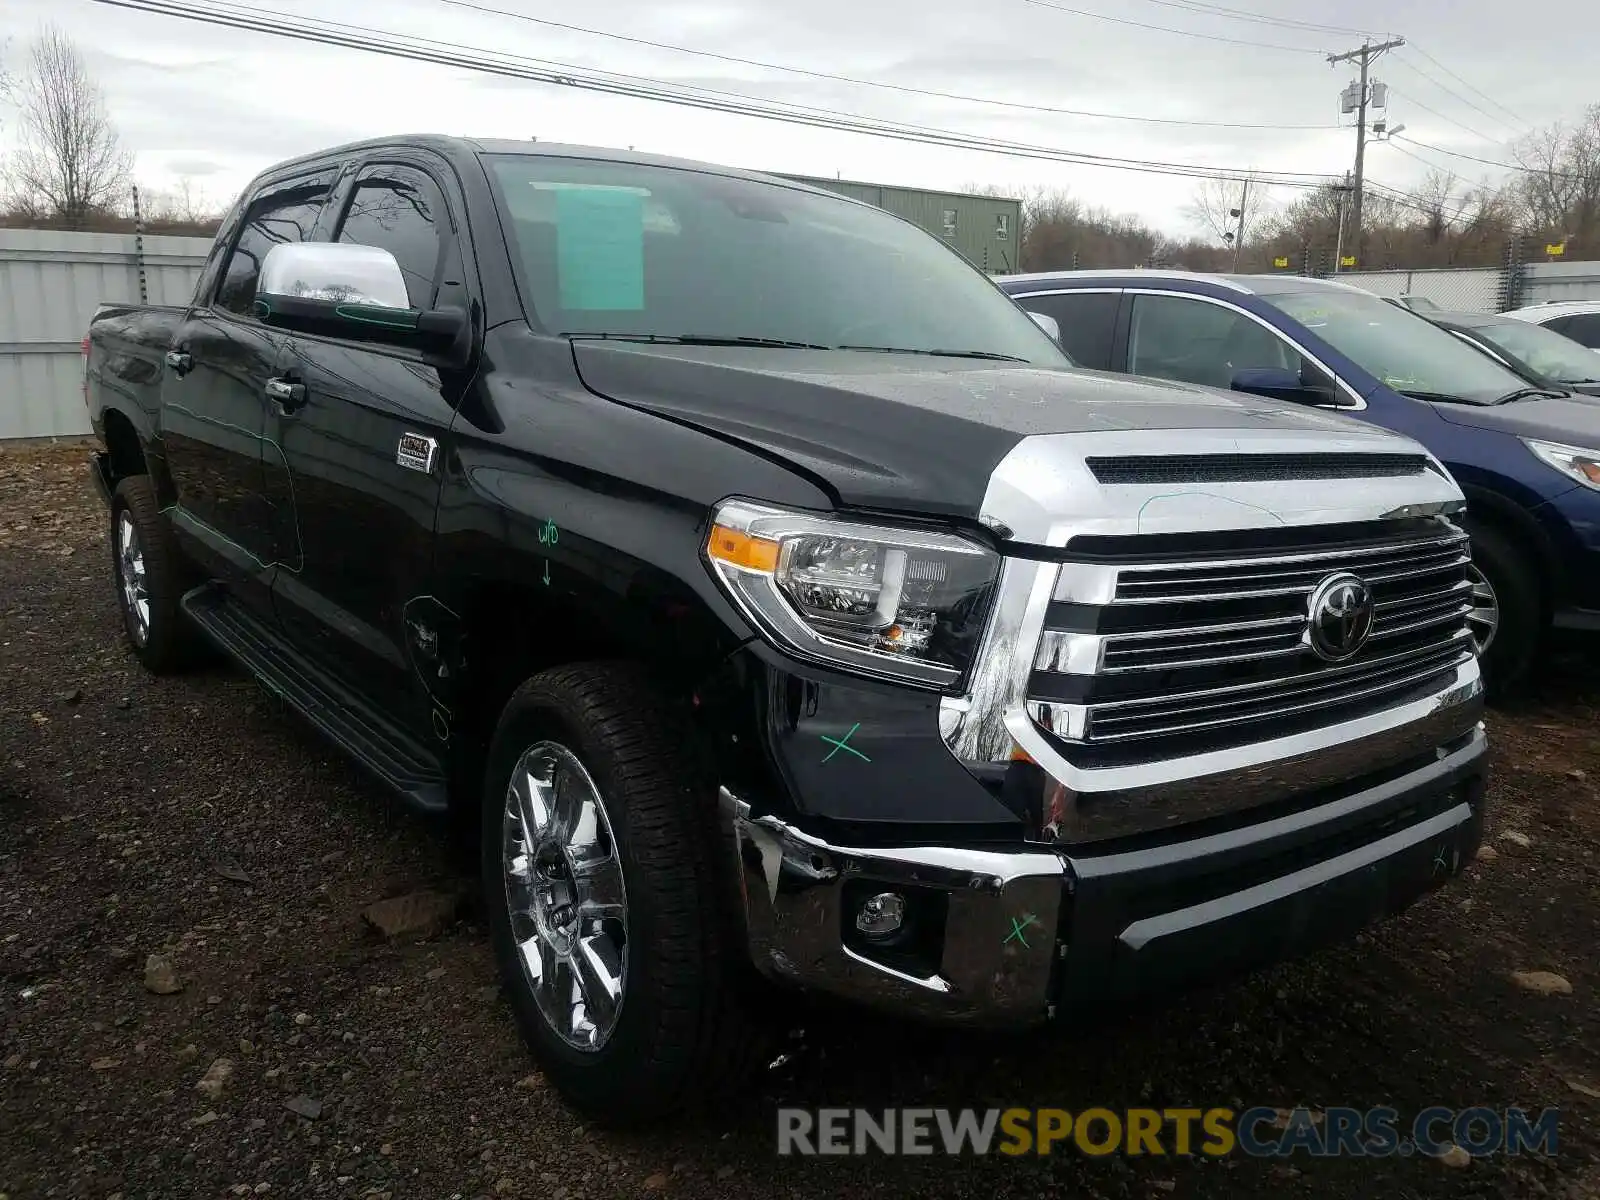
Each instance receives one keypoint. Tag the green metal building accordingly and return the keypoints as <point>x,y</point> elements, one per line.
<point>984,228</point>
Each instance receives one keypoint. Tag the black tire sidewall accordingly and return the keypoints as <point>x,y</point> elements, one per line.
<point>628,1064</point>
<point>170,638</point>
<point>1515,581</point>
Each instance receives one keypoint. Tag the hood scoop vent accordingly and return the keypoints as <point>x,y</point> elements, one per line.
<point>1251,468</point>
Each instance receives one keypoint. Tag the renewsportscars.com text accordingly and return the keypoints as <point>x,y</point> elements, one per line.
<point>1258,1132</point>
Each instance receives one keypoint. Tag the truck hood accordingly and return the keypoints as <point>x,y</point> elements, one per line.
<point>911,432</point>
<point>1574,420</point>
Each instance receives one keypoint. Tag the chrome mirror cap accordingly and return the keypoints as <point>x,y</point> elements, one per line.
<point>336,271</point>
<point>1049,324</point>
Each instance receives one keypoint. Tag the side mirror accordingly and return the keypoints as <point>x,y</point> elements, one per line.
<point>1049,324</point>
<point>1278,383</point>
<point>356,292</point>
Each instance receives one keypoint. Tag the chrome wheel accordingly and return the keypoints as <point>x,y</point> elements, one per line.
<point>130,577</point>
<point>1484,617</point>
<point>564,891</point>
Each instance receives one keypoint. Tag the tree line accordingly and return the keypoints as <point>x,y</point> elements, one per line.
<point>1553,199</point>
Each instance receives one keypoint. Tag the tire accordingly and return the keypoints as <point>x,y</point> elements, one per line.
<point>150,580</point>
<point>1514,591</point>
<point>683,1032</point>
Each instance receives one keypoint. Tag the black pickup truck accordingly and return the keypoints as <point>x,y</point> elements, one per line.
<point>780,603</point>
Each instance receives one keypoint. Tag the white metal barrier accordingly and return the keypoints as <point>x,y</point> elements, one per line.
<point>50,283</point>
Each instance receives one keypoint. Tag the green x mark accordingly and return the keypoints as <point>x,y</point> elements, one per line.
<point>839,744</point>
<point>1018,924</point>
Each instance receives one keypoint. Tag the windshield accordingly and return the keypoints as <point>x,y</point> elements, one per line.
<point>1408,353</point>
<point>630,250</point>
<point>1546,351</point>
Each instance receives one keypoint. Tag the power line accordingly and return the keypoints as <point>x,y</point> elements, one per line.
<point>1236,14</point>
<point>543,71</point>
<point>1404,200</point>
<point>1418,158</point>
<point>1490,162</point>
<point>872,83</point>
<point>1478,108</point>
<point>1503,108</point>
<point>1482,137</point>
<point>1209,37</point>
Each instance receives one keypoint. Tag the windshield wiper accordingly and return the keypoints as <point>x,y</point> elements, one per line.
<point>1436,397</point>
<point>699,339</point>
<point>1529,393</point>
<point>986,354</point>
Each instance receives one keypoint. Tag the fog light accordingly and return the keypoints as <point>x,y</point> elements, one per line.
<point>882,915</point>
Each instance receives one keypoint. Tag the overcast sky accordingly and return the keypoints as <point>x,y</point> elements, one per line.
<point>217,105</point>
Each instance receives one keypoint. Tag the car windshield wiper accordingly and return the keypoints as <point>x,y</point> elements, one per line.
<point>699,339</point>
<point>986,354</point>
<point>1528,393</point>
<point>1436,397</point>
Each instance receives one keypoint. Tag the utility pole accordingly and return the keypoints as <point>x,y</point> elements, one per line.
<point>1338,246</point>
<point>1238,238</point>
<point>1364,55</point>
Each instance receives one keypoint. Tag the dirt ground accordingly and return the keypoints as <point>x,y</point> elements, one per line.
<point>194,819</point>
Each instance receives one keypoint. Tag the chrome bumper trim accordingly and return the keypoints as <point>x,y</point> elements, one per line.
<point>790,892</point>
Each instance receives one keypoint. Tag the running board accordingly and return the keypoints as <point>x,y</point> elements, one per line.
<point>407,766</point>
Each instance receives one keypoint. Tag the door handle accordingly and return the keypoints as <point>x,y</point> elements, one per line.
<point>286,394</point>
<point>180,361</point>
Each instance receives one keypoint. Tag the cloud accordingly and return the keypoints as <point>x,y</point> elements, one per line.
<point>194,168</point>
<point>187,95</point>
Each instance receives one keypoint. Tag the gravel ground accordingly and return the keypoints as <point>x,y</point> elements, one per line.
<point>193,819</point>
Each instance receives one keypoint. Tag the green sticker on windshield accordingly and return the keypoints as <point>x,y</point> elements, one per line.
<point>600,248</point>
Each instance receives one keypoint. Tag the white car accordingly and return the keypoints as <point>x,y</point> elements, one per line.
<point>1576,319</point>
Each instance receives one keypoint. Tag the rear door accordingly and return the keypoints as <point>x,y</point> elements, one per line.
<point>364,511</point>
<point>1088,321</point>
<point>214,404</point>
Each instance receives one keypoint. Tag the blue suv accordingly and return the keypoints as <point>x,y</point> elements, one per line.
<point>1527,457</point>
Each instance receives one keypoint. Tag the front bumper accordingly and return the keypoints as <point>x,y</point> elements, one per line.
<point>1004,937</point>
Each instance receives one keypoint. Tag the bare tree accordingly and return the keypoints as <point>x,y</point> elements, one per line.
<point>70,163</point>
<point>1560,186</point>
<point>1214,205</point>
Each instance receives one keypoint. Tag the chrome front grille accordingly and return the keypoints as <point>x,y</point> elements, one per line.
<point>1160,646</point>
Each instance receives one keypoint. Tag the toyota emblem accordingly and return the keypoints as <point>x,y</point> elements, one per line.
<point>1339,617</point>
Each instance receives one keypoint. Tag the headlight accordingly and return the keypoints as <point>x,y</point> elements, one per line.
<point>903,604</point>
<point>1582,465</point>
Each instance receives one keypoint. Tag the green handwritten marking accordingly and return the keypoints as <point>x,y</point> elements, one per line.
<point>547,572</point>
<point>1017,926</point>
<point>549,535</point>
<point>372,315</point>
<point>839,744</point>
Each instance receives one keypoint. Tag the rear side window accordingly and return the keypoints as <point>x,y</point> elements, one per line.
<point>284,213</point>
<point>1088,322</point>
<point>401,210</point>
<point>1584,329</point>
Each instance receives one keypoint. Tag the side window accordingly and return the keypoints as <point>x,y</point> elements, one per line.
<point>401,210</point>
<point>285,213</point>
<point>1087,319</point>
<point>1173,337</point>
<point>1584,329</point>
<point>1559,325</point>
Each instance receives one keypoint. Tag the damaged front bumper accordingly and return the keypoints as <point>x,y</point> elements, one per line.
<point>1002,937</point>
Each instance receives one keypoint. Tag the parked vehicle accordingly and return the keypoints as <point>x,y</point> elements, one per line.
<point>1535,352</point>
<point>779,604</point>
<point>1576,319</point>
<point>1527,456</point>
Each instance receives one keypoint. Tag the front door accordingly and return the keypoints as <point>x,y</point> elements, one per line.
<point>364,452</point>
<point>215,401</point>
